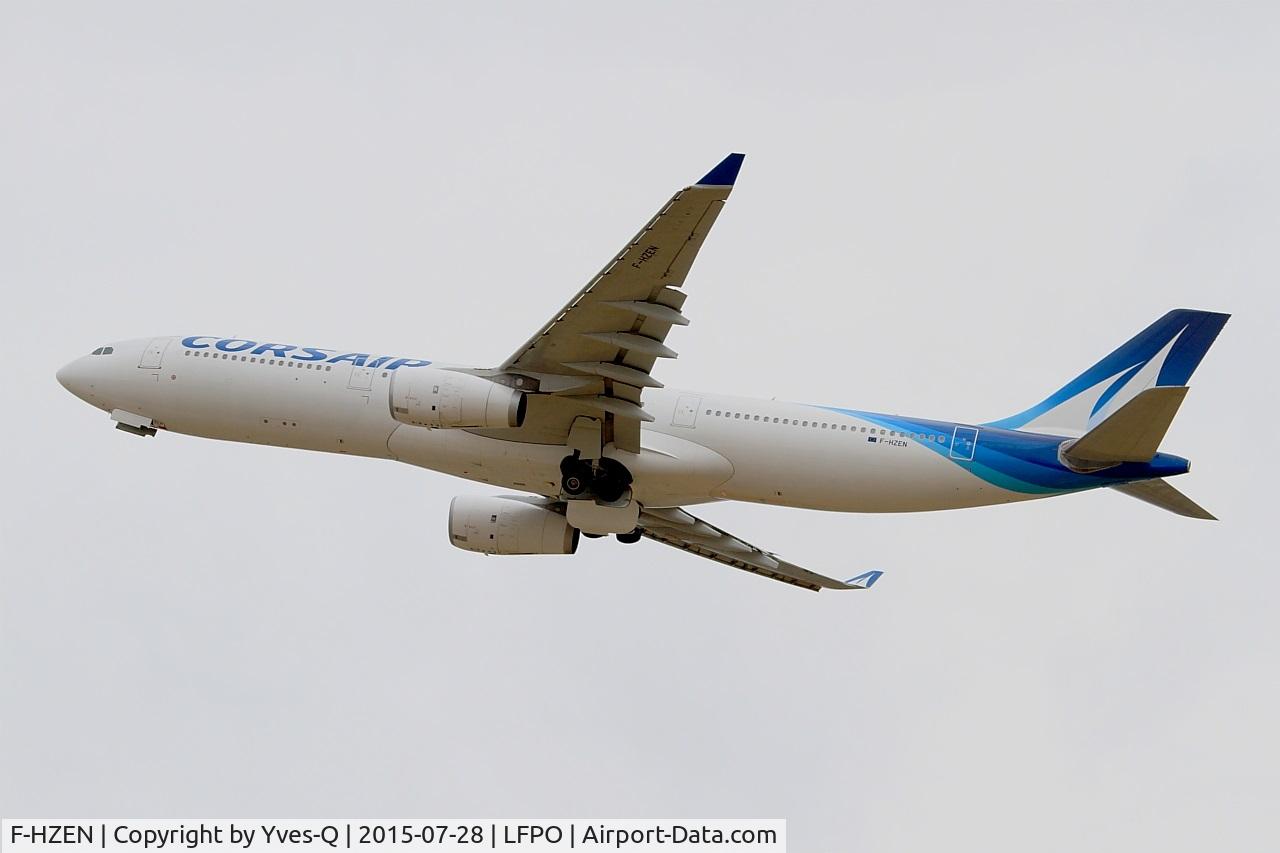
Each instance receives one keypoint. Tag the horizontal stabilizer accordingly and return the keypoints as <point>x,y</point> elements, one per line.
<point>1130,434</point>
<point>1160,493</point>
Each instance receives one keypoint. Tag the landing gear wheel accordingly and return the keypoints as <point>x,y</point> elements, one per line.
<point>575,475</point>
<point>630,538</point>
<point>612,480</point>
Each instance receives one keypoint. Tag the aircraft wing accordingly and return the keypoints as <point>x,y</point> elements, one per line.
<point>680,529</point>
<point>597,354</point>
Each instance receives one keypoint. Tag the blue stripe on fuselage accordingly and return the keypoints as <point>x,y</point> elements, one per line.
<point>1024,462</point>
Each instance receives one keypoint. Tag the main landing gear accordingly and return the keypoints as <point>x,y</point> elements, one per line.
<point>597,496</point>
<point>607,480</point>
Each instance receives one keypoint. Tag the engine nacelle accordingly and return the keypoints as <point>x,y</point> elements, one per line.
<point>429,397</point>
<point>509,525</point>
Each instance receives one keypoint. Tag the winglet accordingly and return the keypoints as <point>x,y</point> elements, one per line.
<point>865,580</point>
<point>725,173</point>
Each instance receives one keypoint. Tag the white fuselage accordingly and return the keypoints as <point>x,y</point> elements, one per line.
<point>700,447</point>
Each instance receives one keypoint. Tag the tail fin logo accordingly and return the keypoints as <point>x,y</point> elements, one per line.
<point>1166,353</point>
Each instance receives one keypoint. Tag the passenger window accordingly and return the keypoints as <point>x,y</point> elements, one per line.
<point>806,423</point>
<point>775,420</point>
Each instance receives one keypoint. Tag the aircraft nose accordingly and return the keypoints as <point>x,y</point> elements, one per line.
<point>75,378</point>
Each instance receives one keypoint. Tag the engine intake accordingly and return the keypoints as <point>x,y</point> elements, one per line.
<point>443,399</point>
<point>509,525</point>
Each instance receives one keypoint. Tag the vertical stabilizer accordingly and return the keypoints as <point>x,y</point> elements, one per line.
<point>1164,354</point>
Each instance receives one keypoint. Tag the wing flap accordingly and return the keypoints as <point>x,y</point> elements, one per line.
<point>680,529</point>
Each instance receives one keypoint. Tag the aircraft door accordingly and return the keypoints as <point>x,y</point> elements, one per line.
<point>153,354</point>
<point>963,443</point>
<point>361,378</point>
<point>686,413</point>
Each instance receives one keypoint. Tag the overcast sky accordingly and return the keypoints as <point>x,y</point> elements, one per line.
<point>946,210</point>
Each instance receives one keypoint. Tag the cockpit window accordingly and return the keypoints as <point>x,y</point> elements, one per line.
<point>98,351</point>
<point>103,351</point>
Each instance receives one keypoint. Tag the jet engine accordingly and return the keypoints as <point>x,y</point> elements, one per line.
<point>509,525</point>
<point>441,398</point>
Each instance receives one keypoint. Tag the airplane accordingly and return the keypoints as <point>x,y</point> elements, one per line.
<point>576,421</point>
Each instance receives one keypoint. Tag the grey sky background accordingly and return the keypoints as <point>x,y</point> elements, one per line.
<point>946,210</point>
